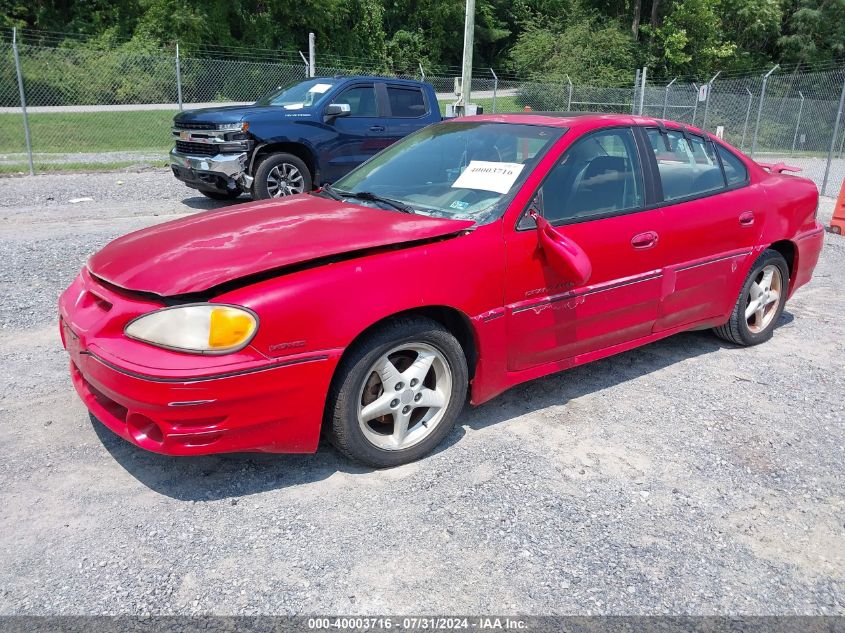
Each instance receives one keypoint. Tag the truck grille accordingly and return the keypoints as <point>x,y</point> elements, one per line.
<point>196,149</point>
<point>194,125</point>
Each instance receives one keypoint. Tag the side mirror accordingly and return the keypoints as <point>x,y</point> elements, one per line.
<point>562,254</point>
<point>334,110</point>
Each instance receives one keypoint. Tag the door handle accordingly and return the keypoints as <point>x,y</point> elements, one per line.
<point>746,218</point>
<point>644,240</point>
<point>377,128</point>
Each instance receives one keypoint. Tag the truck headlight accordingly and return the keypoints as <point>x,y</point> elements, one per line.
<point>201,328</point>
<point>243,126</point>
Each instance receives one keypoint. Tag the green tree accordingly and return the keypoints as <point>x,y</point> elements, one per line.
<point>585,49</point>
<point>689,42</point>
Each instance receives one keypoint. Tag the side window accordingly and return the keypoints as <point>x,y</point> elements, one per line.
<point>361,100</point>
<point>406,103</point>
<point>598,174</point>
<point>735,170</point>
<point>687,165</point>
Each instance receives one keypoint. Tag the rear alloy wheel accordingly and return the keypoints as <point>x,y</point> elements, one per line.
<point>760,302</point>
<point>397,395</point>
<point>280,175</point>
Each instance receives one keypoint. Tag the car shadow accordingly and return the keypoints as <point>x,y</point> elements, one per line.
<point>201,203</point>
<point>234,475</point>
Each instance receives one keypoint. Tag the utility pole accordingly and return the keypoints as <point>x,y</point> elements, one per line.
<point>466,71</point>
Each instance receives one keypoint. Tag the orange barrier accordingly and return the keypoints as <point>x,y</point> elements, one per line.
<point>837,223</point>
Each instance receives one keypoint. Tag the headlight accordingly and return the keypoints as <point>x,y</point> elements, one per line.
<point>202,328</point>
<point>243,126</point>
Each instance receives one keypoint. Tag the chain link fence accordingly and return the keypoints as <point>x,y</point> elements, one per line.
<point>112,108</point>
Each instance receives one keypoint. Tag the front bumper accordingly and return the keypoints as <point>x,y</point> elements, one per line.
<point>198,404</point>
<point>221,172</point>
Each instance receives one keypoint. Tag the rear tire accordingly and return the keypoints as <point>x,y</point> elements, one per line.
<point>221,195</point>
<point>760,302</point>
<point>398,392</point>
<point>280,175</point>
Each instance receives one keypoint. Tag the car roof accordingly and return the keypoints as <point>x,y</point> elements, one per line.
<point>369,78</point>
<point>577,119</point>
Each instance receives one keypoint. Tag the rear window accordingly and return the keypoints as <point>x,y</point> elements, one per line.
<point>687,165</point>
<point>735,170</point>
<point>406,103</point>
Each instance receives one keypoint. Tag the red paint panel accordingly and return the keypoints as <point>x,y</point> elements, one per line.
<point>207,249</point>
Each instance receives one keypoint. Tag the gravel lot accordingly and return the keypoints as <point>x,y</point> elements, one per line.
<point>688,476</point>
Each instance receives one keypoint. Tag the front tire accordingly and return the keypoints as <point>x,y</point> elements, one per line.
<point>397,394</point>
<point>760,303</point>
<point>280,175</point>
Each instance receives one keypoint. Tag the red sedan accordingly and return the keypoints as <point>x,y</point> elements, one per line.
<point>471,256</point>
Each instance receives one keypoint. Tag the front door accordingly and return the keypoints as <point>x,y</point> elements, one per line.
<point>595,196</point>
<point>359,135</point>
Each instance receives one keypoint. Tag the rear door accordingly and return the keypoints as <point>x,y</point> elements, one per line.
<point>710,225</point>
<point>596,196</point>
<point>409,110</point>
<point>360,135</point>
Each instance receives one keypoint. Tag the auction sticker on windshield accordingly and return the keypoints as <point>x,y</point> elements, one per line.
<point>320,88</point>
<point>488,176</point>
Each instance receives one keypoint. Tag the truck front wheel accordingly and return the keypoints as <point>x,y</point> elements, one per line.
<point>280,175</point>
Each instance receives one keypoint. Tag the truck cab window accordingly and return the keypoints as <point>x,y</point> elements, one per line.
<point>360,99</point>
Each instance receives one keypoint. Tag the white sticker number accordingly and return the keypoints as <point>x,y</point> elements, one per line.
<point>489,176</point>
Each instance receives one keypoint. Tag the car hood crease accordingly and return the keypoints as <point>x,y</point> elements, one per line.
<point>199,252</point>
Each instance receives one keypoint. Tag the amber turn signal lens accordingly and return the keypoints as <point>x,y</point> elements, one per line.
<point>229,328</point>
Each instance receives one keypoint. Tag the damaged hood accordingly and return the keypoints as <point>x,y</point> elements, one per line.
<point>199,252</point>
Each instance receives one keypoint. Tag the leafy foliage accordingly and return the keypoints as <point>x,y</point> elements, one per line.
<point>589,40</point>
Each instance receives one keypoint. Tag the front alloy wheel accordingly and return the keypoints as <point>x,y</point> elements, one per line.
<point>397,392</point>
<point>404,396</point>
<point>280,175</point>
<point>285,180</point>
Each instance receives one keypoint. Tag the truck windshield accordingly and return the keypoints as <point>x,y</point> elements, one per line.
<point>297,95</point>
<point>455,169</point>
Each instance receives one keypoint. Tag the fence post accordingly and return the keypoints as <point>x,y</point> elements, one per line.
<point>23,100</point>
<point>707,99</point>
<point>747,116</point>
<point>422,73</point>
<point>642,89</point>
<point>636,87</point>
<point>312,55</point>
<point>833,137</point>
<point>666,96</point>
<point>495,88</point>
<point>569,98</point>
<point>760,109</point>
<point>178,78</point>
<point>305,61</point>
<point>695,104</point>
<point>798,121</point>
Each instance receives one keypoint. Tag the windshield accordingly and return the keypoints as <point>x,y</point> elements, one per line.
<point>297,95</point>
<point>456,170</point>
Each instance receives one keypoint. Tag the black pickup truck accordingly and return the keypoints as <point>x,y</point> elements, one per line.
<point>298,136</point>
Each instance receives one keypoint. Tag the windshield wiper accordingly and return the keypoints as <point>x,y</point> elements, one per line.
<point>369,196</point>
<point>333,194</point>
